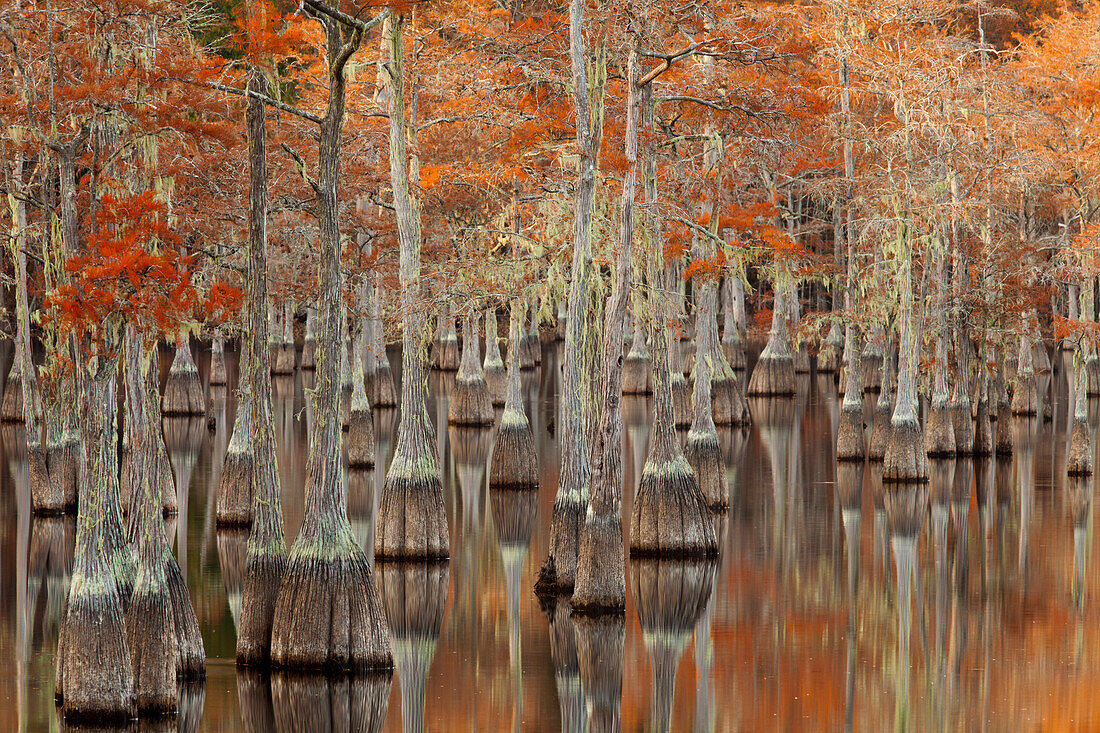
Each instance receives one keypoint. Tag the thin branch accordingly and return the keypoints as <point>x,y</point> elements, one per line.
<point>669,59</point>
<point>268,101</point>
<point>301,165</point>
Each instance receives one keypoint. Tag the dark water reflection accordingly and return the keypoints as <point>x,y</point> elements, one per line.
<point>796,626</point>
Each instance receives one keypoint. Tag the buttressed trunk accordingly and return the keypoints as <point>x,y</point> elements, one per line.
<point>412,519</point>
<point>668,488</point>
<point>328,614</point>
<point>558,573</point>
<point>103,569</point>
<point>601,578</point>
<point>266,556</point>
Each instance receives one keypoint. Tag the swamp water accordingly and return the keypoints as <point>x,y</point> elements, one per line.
<point>794,627</point>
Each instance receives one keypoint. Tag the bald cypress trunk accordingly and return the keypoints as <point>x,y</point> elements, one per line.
<point>601,579</point>
<point>939,430</point>
<point>558,573</point>
<point>905,459</point>
<point>470,402</point>
<point>495,374</point>
<point>515,460</point>
<point>162,630</point>
<point>412,519</point>
<point>266,556</point>
<point>1079,461</point>
<point>773,374</point>
<point>328,614</point>
<point>361,422</point>
<point>380,387</point>
<point>732,345</point>
<point>637,377</point>
<point>43,498</point>
<point>63,431</point>
<point>94,678</point>
<point>670,515</point>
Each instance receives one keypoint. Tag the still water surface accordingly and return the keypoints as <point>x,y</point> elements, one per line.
<point>795,627</point>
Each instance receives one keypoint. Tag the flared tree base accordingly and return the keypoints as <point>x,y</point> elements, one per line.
<point>704,454</point>
<point>964,429</point>
<point>183,395</point>
<point>95,682</point>
<point>329,616</point>
<point>671,517</point>
<point>497,380</point>
<point>151,637</point>
<point>445,355</point>
<point>983,432</point>
<point>636,375</point>
<point>361,439</point>
<point>773,376</point>
<point>1025,401</point>
<point>558,573</point>
<point>735,354</point>
<point>381,391</point>
<point>263,577</point>
<point>601,572</point>
<point>63,464</point>
<point>681,402</point>
<point>191,655</point>
<point>729,405</point>
<point>905,461</point>
<point>471,404</point>
<point>880,432</point>
<point>939,432</point>
<point>1004,446</point>
<point>412,518</point>
<point>870,372</point>
<point>217,369</point>
<point>515,460</point>
<point>850,437</point>
<point>11,407</point>
<point>234,506</point>
<point>1079,461</point>
<point>283,364</point>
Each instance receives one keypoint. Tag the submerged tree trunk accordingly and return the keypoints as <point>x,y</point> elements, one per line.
<point>412,519</point>
<point>515,460</point>
<point>601,578</point>
<point>495,374</point>
<point>939,436</point>
<point>773,375</point>
<point>470,403</point>
<point>162,630</point>
<point>266,557</point>
<point>380,387</point>
<point>905,459</point>
<point>670,516</point>
<point>43,497</point>
<point>558,573</point>
<point>361,421</point>
<point>328,614</point>
<point>94,677</point>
